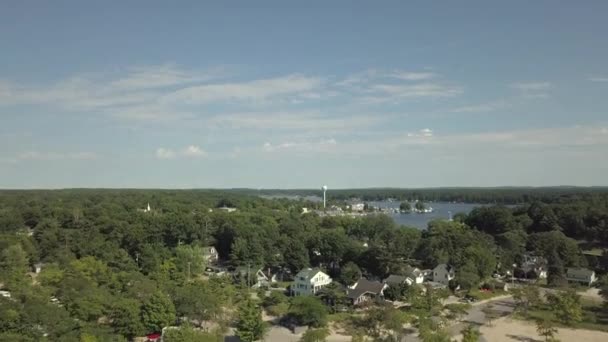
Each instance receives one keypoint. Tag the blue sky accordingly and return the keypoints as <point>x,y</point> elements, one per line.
<point>291,95</point>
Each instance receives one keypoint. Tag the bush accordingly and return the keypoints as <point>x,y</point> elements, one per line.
<point>308,311</point>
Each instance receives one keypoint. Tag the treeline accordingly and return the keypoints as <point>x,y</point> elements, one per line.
<point>506,195</point>
<point>116,270</point>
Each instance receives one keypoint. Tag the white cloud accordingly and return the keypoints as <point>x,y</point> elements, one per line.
<point>531,86</point>
<point>479,108</point>
<point>122,94</point>
<point>533,90</point>
<point>381,93</point>
<point>598,79</point>
<point>253,91</point>
<point>192,151</point>
<point>412,76</point>
<point>302,146</point>
<point>557,137</point>
<point>296,120</point>
<point>162,76</point>
<point>165,153</point>
<point>36,155</point>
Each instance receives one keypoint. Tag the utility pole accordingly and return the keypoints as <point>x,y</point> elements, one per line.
<point>189,270</point>
<point>513,276</point>
<point>248,275</point>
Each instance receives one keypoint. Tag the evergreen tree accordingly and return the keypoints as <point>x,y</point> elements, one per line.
<point>250,326</point>
<point>556,276</point>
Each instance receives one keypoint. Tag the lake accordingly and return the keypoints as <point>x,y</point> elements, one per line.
<point>441,210</point>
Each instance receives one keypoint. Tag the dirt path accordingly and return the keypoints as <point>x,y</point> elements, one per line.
<point>510,330</point>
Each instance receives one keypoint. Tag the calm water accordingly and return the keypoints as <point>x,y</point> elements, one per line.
<point>441,211</point>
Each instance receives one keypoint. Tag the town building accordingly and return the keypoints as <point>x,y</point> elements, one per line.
<point>357,207</point>
<point>365,290</point>
<point>580,275</point>
<point>414,275</point>
<point>443,273</point>
<point>210,254</point>
<point>532,267</point>
<point>309,281</point>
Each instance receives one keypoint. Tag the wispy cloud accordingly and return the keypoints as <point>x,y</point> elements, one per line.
<point>598,79</point>
<point>192,151</point>
<point>382,93</point>
<point>256,90</point>
<point>296,120</point>
<point>412,76</point>
<point>532,86</point>
<point>303,146</point>
<point>479,108</point>
<point>425,132</point>
<point>37,155</point>
<point>533,89</point>
<point>160,76</point>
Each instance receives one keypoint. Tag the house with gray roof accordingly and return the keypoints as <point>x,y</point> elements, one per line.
<point>443,273</point>
<point>365,290</point>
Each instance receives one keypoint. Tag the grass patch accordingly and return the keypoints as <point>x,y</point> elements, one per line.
<point>282,284</point>
<point>594,252</point>
<point>339,317</point>
<point>484,295</point>
<point>595,316</point>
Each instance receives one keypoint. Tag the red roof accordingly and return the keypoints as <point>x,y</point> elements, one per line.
<point>154,336</point>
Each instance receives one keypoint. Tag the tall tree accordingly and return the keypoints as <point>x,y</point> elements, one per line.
<point>308,311</point>
<point>556,274</point>
<point>250,326</point>
<point>526,297</point>
<point>566,306</point>
<point>350,273</point>
<point>126,318</point>
<point>157,312</point>
<point>13,266</point>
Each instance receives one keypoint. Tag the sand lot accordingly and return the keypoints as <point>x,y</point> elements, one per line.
<point>511,330</point>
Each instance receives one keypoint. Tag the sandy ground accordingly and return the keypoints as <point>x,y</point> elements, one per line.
<point>510,330</point>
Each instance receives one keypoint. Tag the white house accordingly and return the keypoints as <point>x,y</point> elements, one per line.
<point>210,254</point>
<point>443,273</point>
<point>414,275</point>
<point>357,207</point>
<point>308,282</point>
<point>258,278</point>
<point>580,275</point>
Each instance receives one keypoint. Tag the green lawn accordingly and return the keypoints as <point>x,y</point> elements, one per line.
<point>595,316</point>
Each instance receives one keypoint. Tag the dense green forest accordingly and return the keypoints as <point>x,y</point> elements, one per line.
<point>112,270</point>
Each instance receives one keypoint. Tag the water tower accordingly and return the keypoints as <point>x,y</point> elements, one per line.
<point>324,188</point>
